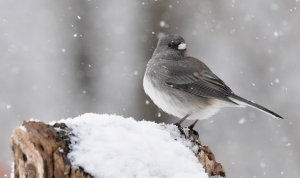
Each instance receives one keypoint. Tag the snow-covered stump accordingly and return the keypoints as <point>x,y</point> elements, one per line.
<point>41,151</point>
<point>109,146</point>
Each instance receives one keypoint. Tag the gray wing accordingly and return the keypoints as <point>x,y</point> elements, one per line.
<point>194,77</point>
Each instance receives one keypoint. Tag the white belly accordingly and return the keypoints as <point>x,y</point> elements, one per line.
<point>179,105</point>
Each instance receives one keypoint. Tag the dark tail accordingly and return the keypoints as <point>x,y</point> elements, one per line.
<point>243,101</point>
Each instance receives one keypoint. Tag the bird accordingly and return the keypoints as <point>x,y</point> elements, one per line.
<point>185,87</point>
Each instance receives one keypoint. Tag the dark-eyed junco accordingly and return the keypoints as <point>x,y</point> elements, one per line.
<point>185,87</point>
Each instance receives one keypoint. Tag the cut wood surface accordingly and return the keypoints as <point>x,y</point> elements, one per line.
<point>41,150</point>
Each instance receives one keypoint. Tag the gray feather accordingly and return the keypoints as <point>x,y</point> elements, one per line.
<point>194,77</point>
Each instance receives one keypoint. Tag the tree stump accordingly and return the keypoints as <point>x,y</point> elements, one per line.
<point>41,150</point>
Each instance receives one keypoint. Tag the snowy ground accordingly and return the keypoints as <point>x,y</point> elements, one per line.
<point>110,146</point>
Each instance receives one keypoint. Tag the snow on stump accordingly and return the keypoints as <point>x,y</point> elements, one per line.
<point>109,146</point>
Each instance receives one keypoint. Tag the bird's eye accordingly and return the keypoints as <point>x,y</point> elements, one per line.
<point>172,45</point>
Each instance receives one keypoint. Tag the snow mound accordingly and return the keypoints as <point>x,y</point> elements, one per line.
<point>110,146</point>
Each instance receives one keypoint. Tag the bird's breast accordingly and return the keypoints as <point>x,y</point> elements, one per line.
<point>163,96</point>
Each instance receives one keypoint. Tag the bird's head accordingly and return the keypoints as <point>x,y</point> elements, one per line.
<point>173,44</point>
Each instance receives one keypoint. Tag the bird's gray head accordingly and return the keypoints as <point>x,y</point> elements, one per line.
<point>171,44</point>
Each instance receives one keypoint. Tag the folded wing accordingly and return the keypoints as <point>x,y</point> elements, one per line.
<point>194,77</point>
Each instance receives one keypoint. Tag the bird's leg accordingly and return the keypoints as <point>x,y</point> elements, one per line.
<point>178,124</point>
<point>181,120</point>
<point>193,134</point>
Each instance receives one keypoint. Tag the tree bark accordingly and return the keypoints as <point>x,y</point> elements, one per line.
<point>40,151</point>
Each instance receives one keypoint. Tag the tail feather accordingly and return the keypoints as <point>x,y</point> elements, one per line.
<point>243,101</point>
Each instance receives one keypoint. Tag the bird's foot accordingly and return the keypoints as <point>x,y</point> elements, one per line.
<point>180,129</point>
<point>193,135</point>
<point>178,124</point>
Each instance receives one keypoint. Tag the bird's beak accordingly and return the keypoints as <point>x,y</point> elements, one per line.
<point>182,46</point>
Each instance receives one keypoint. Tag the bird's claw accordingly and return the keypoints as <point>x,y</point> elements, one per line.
<point>180,129</point>
<point>193,135</point>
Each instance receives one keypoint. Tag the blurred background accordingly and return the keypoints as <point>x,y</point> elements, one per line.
<point>60,59</point>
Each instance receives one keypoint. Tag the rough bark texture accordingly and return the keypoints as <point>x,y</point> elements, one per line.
<point>208,160</point>
<point>205,156</point>
<point>40,151</point>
